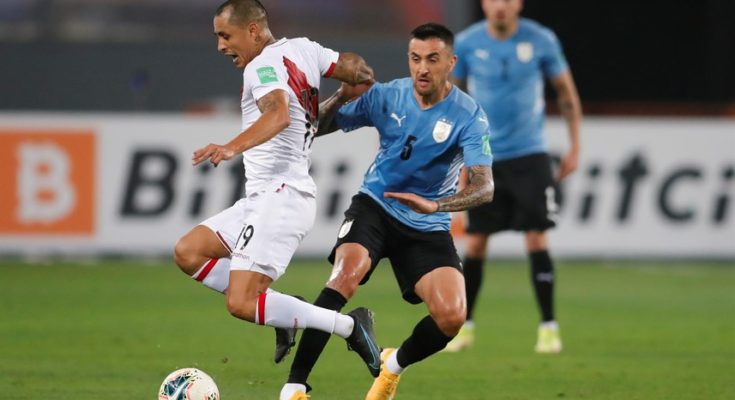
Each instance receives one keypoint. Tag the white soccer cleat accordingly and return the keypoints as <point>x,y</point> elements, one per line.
<point>549,339</point>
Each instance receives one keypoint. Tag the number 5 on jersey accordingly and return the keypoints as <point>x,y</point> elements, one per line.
<point>407,148</point>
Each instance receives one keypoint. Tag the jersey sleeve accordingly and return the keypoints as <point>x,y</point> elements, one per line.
<point>475,141</point>
<point>326,59</point>
<point>553,62</point>
<point>264,76</point>
<point>359,113</point>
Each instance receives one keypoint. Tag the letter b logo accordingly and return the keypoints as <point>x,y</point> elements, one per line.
<point>48,182</point>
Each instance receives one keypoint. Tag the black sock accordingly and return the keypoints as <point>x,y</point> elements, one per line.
<point>425,340</point>
<point>473,281</point>
<point>542,277</point>
<point>313,341</point>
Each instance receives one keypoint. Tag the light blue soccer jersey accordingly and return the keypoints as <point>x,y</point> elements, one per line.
<point>507,78</point>
<point>421,151</point>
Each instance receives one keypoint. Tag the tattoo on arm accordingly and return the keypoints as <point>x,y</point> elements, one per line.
<point>274,119</point>
<point>567,107</point>
<point>478,191</point>
<point>269,101</point>
<point>568,99</point>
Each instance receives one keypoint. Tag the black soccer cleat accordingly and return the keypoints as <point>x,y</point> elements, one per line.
<point>362,340</point>
<point>285,340</point>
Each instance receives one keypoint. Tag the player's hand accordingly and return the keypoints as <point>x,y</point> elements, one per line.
<point>364,74</point>
<point>214,153</point>
<point>414,201</point>
<point>568,164</point>
<point>349,92</point>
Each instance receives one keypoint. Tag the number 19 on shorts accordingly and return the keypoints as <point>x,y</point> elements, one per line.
<point>246,234</point>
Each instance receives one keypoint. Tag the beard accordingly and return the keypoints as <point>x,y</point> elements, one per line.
<point>501,27</point>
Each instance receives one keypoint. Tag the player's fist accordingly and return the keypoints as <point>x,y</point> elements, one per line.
<point>414,201</point>
<point>214,153</point>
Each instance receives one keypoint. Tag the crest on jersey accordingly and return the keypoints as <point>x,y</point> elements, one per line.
<point>524,51</point>
<point>442,130</point>
<point>345,228</point>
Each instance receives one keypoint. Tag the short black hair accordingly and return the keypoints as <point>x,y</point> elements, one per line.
<point>434,30</point>
<point>244,11</point>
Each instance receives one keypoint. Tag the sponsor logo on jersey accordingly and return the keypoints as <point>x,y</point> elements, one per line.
<point>524,51</point>
<point>267,74</point>
<point>47,176</point>
<point>398,119</point>
<point>442,130</point>
<point>482,54</point>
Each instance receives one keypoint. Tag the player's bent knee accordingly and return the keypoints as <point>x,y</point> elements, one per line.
<point>536,241</point>
<point>347,280</point>
<point>185,256</point>
<point>348,272</point>
<point>450,319</point>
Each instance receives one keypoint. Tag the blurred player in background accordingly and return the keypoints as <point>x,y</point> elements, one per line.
<point>428,129</point>
<point>243,249</point>
<point>503,61</point>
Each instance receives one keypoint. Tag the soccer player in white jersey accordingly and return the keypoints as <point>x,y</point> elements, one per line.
<point>246,247</point>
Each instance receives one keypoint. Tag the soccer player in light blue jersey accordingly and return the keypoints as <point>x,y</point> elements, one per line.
<point>428,130</point>
<point>503,61</point>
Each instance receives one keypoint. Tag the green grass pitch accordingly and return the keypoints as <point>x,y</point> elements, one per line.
<point>113,329</point>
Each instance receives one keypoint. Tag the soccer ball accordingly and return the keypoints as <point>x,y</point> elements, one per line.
<point>188,384</point>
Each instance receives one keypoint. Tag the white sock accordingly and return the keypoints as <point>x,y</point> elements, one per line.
<point>283,311</point>
<point>215,274</point>
<point>343,325</point>
<point>392,363</point>
<point>289,389</point>
<point>550,325</point>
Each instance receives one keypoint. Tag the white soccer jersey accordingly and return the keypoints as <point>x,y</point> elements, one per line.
<point>296,66</point>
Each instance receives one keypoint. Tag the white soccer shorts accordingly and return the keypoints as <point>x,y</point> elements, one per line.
<point>264,229</point>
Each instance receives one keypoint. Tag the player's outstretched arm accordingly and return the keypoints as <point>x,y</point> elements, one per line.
<point>356,77</point>
<point>351,68</point>
<point>479,190</point>
<point>274,118</point>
